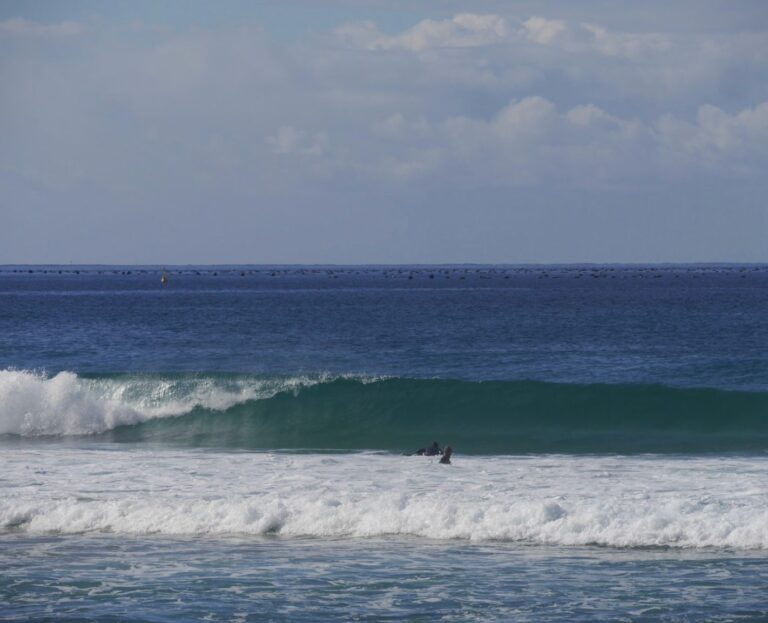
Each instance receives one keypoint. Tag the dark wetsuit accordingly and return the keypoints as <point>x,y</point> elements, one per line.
<point>433,450</point>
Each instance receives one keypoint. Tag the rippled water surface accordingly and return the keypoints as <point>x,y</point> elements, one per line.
<point>160,579</point>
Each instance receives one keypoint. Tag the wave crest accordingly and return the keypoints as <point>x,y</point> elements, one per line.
<point>34,404</point>
<point>394,414</point>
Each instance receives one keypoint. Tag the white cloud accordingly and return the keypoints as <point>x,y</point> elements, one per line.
<point>461,31</point>
<point>468,30</point>
<point>289,140</point>
<point>498,53</point>
<point>628,45</point>
<point>530,141</point>
<point>531,117</point>
<point>719,142</point>
<point>475,101</point>
<point>21,27</point>
<point>589,115</point>
<point>587,38</point>
<point>542,30</point>
<point>178,124</point>
<point>398,127</point>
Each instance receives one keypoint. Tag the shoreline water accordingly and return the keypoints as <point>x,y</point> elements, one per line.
<point>156,578</point>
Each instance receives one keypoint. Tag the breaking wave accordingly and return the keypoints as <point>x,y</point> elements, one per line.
<point>642,501</point>
<point>393,414</point>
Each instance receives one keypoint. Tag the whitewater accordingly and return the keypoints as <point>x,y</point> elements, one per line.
<point>33,403</point>
<point>646,501</point>
<point>87,486</point>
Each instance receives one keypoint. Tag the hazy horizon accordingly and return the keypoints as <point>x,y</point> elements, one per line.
<point>373,266</point>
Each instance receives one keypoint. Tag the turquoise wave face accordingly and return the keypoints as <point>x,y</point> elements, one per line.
<point>492,417</point>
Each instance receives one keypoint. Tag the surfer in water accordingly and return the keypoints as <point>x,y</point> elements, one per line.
<point>446,460</point>
<point>432,450</point>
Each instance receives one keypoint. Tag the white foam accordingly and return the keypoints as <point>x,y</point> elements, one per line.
<point>615,501</point>
<point>34,404</point>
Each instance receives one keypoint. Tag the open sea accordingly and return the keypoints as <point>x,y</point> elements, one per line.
<point>236,445</point>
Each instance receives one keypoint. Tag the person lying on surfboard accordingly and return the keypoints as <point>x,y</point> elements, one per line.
<point>433,450</point>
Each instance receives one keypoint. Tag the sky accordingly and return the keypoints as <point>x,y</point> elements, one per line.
<point>373,131</point>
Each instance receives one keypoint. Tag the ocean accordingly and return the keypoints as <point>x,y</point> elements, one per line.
<point>238,444</point>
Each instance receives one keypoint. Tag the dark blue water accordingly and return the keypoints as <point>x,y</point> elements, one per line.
<point>696,326</point>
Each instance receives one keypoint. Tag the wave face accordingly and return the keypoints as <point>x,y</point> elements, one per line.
<point>393,414</point>
<point>33,404</point>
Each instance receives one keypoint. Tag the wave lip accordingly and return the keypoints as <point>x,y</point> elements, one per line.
<point>393,414</point>
<point>33,404</point>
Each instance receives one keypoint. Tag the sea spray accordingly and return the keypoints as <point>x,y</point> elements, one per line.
<point>565,500</point>
<point>33,403</point>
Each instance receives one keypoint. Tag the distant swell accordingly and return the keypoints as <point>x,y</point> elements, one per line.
<point>393,414</point>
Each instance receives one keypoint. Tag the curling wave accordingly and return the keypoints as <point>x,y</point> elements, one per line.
<point>33,404</point>
<point>394,414</point>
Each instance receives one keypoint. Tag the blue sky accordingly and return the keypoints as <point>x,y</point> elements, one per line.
<point>383,131</point>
